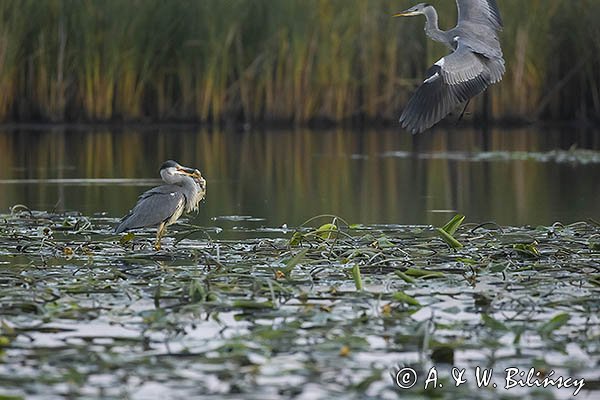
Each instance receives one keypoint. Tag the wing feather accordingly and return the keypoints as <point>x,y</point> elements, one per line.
<point>484,12</point>
<point>153,207</point>
<point>451,81</point>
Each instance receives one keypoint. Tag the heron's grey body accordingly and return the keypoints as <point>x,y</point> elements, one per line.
<point>476,62</point>
<point>163,205</point>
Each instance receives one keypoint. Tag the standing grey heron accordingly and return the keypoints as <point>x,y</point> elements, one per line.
<point>162,206</point>
<point>474,64</point>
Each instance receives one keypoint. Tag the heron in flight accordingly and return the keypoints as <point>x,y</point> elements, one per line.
<point>162,206</point>
<point>474,64</point>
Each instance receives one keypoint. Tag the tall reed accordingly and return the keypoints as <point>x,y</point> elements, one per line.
<point>286,60</point>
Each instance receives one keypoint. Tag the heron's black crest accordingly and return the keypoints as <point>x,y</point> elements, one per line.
<point>169,164</point>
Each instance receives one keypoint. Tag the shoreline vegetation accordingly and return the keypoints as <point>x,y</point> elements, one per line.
<point>286,62</point>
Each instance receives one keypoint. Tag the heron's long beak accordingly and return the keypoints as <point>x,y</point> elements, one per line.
<point>194,173</point>
<point>187,171</point>
<point>406,13</point>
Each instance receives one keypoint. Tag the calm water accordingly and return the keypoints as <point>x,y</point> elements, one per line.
<point>290,176</point>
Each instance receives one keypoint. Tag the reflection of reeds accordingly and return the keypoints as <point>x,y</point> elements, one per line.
<point>288,60</point>
<point>289,176</point>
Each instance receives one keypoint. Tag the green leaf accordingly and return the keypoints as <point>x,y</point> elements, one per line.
<point>497,267</point>
<point>7,329</point>
<point>404,277</point>
<point>449,239</point>
<point>157,296</point>
<point>452,225</point>
<point>296,239</point>
<point>357,277</point>
<point>357,226</point>
<point>447,231</point>
<point>404,298</point>
<point>595,242</point>
<point>196,291</point>
<point>527,249</point>
<point>128,237</point>
<point>384,243</point>
<point>272,334</point>
<point>10,397</point>
<point>292,262</point>
<point>325,231</point>
<point>423,273</point>
<point>554,324</point>
<point>492,323</point>
<point>252,304</point>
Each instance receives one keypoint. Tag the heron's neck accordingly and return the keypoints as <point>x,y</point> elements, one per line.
<point>432,28</point>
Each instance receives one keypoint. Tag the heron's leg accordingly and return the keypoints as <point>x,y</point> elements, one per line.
<point>462,114</point>
<point>159,234</point>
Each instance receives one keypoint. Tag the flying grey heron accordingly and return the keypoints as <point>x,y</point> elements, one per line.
<point>162,206</point>
<point>474,64</point>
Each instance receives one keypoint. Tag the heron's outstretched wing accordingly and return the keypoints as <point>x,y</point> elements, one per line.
<point>484,12</point>
<point>153,207</point>
<point>452,80</point>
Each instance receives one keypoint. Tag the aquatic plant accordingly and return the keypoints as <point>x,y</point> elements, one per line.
<point>337,311</point>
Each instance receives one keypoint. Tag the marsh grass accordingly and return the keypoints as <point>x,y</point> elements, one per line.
<point>289,60</point>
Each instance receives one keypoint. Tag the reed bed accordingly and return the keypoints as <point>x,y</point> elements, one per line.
<point>292,61</point>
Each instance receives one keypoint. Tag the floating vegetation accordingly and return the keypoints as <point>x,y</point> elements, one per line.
<point>327,309</point>
<point>572,156</point>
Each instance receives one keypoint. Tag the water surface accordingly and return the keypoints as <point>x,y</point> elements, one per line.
<point>512,177</point>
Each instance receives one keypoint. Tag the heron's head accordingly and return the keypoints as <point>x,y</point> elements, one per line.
<point>173,172</point>
<point>419,9</point>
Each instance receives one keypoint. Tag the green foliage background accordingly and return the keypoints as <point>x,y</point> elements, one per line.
<point>275,60</point>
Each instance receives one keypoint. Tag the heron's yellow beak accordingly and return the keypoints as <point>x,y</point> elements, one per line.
<point>187,171</point>
<point>405,14</point>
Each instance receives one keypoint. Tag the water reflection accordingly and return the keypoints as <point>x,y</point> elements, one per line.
<point>290,176</point>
